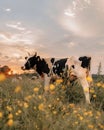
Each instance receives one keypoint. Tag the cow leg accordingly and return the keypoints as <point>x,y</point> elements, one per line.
<point>85,86</point>
<point>46,82</point>
<point>81,75</point>
<point>89,79</point>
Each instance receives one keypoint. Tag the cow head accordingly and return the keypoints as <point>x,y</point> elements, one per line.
<point>31,62</point>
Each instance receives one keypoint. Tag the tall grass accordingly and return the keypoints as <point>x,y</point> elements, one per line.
<point>25,106</point>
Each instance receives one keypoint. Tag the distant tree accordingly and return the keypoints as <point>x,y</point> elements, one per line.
<point>99,69</point>
<point>5,69</point>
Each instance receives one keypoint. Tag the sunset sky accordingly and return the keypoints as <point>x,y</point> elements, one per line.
<point>53,28</point>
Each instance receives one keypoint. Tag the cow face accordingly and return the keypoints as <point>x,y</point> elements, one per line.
<point>30,63</point>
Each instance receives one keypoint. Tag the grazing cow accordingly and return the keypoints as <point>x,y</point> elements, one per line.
<point>67,67</point>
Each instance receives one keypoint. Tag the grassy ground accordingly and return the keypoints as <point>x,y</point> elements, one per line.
<point>25,106</point>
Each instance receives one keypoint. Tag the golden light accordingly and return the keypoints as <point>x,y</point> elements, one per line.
<point>10,73</point>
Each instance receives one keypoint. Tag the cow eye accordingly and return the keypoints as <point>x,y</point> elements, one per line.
<point>26,58</point>
<point>73,66</point>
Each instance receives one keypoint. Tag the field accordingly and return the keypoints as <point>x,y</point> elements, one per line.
<point>25,106</point>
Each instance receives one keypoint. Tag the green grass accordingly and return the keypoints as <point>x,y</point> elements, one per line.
<point>24,108</point>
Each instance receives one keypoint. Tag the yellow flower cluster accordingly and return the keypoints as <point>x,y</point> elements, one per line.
<point>10,116</point>
<point>41,107</point>
<point>18,112</point>
<point>89,79</point>
<point>9,108</point>
<point>10,122</point>
<point>36,89</point>
<point>25,105</point>
<point>17,89</point>
<point>1,114</point>
<point>59,81</point>
<point>52,87</point>
<point>2,77</point>
<point>99,84</point>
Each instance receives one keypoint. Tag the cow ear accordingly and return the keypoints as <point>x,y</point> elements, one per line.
<point>89,58</point>
<point>80,58</point>
<point>52,60</point>
<point>35,54</point>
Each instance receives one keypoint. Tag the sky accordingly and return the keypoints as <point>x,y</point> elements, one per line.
<point>52,28</point>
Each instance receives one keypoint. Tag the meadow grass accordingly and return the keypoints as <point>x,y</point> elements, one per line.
<point>25,106</point>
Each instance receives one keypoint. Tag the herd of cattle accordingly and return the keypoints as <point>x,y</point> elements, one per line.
<point>71,68</point>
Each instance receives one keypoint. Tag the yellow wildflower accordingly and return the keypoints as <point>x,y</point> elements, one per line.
<point>17,89</point>
<point>81,118</point>
<point>2,77</point>
<point>40,97</point>
<point>98,84</point>
<point>10,116</point>
<point>76,123</point>
<point>49,105</point>
<point>1,114</point>
<point>103,85</point>
<point>85,113</point>
<point>36,89</point>
<point>52,87</point>
<point>10,122</point>
<point>58,99</point>
<point>90,113</point>
<point>90,126</point>
<point>86,89</point>
<point>101,126</point>
<point>98,113</point>
<point>75,111</point>
<point>19,111</point>
<point>94,95</point>
<point>28,98</point>
<point>26,105</point>
<point>63,87</point>
<point>71,105</point>
<point>92,90</point>
<point>41,107</point>
<point>9,108</point>
<point>89,79</point>
<point>54,112</point>
<point>59,81</point>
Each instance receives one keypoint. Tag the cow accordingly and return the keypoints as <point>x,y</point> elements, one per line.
<point>72,68</point>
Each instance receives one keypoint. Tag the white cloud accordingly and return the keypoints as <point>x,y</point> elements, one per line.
<point>16,26</point>
<point>69,12</point>
<point>84,18</point>
<point>7,10</point>
<point>3,37</point>
<point>71,44</point>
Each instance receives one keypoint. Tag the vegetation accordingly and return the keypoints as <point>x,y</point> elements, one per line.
<point>25,106</point>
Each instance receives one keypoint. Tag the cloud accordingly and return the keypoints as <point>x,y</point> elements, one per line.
<point>69,13</point>
<point>71,44</point>
<point>16,26</point>
<point>9,38</point>
<point>7,10</point>
<point>83,18</point>
<point>5,35</point>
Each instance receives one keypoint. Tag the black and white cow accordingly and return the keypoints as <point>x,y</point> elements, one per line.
<point>74,67</point>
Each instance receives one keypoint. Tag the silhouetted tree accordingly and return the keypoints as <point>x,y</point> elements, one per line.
<point>5,69</point>
<point>99,69</point>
